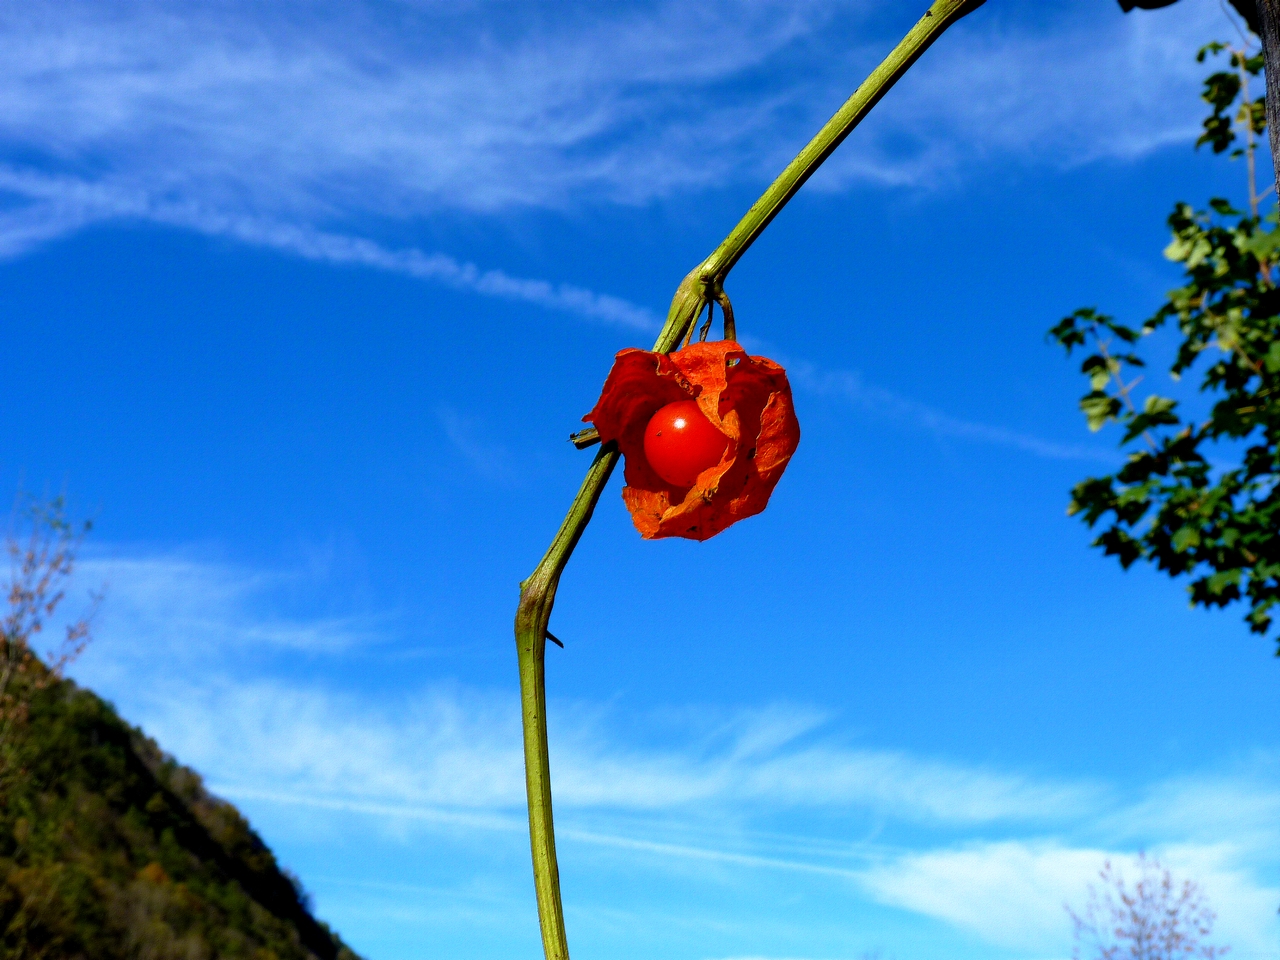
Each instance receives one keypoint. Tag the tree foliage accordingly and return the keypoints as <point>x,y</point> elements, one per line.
<point>1199,495</point>
<point>110,850</point>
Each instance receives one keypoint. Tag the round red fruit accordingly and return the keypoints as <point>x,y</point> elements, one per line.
<point>680,443</point>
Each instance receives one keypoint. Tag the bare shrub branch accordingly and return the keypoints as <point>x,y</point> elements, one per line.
<point>1157,918</point>
<point>41,544</point>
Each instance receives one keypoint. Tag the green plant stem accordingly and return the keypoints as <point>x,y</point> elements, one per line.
<point>537,594</point>
<point>703,284</point>
<point>941,15</point>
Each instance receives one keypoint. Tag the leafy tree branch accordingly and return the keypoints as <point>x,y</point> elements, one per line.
<point>1202,499</point>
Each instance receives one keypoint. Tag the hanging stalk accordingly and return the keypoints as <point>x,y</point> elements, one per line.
<point>703,285</point>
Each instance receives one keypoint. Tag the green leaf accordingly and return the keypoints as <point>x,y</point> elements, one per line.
<point>1098,371</point>
<point>1185,539</point>
<point>1156,412</point>
<point>1098,408</point>
<point>1272,359</point>
<point>1191,249</point>
<point>1261,243</point>
<point>1201,498</point>
<point>1067,333</point>
<point>1218,582</point>
<point>1214,47</point>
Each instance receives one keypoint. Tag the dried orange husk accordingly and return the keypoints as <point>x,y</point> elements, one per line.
<point>747,398</point>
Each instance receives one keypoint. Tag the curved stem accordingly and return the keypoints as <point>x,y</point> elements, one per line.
<point>703,284</point>
<point>537,595</point>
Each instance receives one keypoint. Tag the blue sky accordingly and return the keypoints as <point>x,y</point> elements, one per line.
<point>301,301</point>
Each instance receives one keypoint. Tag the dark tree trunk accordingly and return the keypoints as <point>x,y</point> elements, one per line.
<point>1269,22</point>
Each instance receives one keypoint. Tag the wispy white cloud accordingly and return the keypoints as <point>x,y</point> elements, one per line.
<point>851,387</point>
<point>1244,805</point>
<point>187,652</point>
<point>1084,85</point>
<point>341,249</point>
<point>1012,893</point>
<point>343,106</point>
<point>1218,827</point>
<point>63,204</point>
<point>52,206</point>
<point>324,109</point>
<point>461,749</point>
<point>288,125</point>
<point>182,608</point>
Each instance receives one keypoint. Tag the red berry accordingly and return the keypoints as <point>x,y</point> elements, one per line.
<point>680,443</point>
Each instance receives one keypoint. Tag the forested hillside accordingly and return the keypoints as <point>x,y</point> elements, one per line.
<point>110,849</point>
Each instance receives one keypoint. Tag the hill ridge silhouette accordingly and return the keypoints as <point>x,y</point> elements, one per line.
<point>110,849</point>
